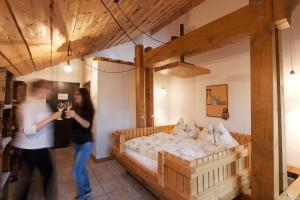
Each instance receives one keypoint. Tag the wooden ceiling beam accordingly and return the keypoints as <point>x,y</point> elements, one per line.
<point>189,6</point>
<point>283,10</point>
<point>20,32</point>
<point>231,28</point>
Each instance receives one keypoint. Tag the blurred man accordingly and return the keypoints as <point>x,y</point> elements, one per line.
<point>35,138</point>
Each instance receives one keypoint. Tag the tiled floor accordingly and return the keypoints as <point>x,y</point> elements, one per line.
<point>109,181</point>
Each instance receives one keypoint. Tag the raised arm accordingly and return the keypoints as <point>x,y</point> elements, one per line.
<point>85,123</point>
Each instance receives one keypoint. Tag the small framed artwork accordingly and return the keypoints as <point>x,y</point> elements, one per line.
<point>217,101</point>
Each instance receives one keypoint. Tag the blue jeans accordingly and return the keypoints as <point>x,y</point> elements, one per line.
<point>82,153</point>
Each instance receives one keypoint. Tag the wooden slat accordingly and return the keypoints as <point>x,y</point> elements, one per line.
<point>292,192</point>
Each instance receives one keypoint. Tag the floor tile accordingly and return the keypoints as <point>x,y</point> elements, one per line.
<point>112,185</point>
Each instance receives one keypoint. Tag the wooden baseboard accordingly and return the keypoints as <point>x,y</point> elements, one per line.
<point>101,159</point>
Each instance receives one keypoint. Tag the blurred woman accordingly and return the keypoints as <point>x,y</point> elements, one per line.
<point>35,138</point>
<point>83,115</point>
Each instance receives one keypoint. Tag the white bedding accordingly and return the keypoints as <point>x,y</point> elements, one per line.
<point>189,149</point>
<point>146,162</point>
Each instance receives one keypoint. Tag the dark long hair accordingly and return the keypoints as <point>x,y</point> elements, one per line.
<point>87,104</point>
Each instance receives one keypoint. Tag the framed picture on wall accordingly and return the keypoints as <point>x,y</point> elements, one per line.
<point>217,101</point>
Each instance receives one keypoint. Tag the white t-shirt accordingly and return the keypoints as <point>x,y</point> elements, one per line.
<point>31,112</point>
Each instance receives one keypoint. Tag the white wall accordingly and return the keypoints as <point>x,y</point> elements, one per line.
<point>186,98</point>
<point>177,103</point>
<point>116,104</point>
<point>229,65</point>
<point>292,89</point>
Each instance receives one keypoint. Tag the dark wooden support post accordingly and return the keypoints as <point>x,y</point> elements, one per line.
<point>140,86</point>
<point>264,102</point>
<point>149,97</point>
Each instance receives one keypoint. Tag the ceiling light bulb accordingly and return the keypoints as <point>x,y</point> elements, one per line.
<point>68,68</point>
<point>163,92</point>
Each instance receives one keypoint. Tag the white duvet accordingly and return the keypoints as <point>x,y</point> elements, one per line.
<point>188,149</point>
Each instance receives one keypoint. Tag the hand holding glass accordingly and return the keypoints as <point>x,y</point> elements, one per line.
<point>69,106</point>
<point>61,106</point>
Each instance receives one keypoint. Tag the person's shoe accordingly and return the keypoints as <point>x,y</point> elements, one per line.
<point>87,196</point>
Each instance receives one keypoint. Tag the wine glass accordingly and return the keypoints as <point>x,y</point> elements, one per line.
<point>69,106</point>
<point>61,106</point>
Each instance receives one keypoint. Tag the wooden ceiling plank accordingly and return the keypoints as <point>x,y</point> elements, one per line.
<point>114,28</point>
<point>150,20</point>
<point>20,32</point>
<point>11,43</point>
<point>15,69</point>
<point>138,18</point>
<point>231,28</point>
<point>33,19</point>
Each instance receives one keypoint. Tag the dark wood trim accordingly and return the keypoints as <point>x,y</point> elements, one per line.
<point>101,160</point>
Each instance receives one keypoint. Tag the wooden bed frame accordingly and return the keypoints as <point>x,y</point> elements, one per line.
<point>219,176</point>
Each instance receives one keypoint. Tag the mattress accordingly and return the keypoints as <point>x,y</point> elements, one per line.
<point>146,162</point>
<point>189,149</point>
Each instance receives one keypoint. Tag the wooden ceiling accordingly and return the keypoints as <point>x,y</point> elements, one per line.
<point>35,34</point>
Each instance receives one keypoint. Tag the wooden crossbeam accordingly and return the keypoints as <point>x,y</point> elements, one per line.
<point>231,28</point>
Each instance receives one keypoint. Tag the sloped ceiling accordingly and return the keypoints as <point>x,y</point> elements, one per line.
<point>35,34</point>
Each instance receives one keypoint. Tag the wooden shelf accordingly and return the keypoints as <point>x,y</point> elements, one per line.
<point>4,179</point>
<point>182,70</point>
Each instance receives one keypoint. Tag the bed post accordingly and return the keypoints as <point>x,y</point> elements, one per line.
<point>122,143</point>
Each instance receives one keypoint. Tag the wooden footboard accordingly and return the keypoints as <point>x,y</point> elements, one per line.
<point>218,176</point>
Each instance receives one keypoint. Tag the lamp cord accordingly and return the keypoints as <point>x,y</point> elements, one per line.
<point>136,27</point>
<point>111,14</point>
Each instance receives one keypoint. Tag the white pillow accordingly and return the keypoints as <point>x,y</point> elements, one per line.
<point>192,130</point>
<point>180,129</point>
<point>207,134</point>
<point>224,138</point>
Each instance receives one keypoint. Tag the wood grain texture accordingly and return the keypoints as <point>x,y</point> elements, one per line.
<point>264,107</point>
<point>140,87</point>
<point>149,97</point>
<point>35,35</point>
